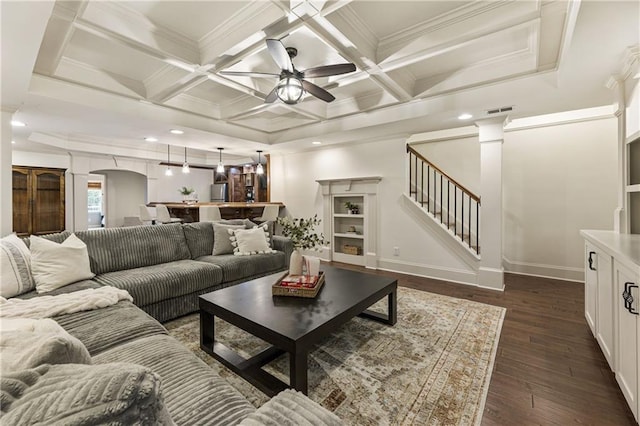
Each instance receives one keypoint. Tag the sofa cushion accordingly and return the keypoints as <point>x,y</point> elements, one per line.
<point>165,281</point>
<point>291,408</point>
<point>15,267</point>
<point>118,249</point>
<point>29,343</point>
<point>77,286</point>
<point>193,393</point>
<point>74,394</point>
<point>240,267</point>
<point>102,329</point>
<point>199,236</point>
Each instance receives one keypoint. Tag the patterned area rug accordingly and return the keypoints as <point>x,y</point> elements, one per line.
<point>432,368</point>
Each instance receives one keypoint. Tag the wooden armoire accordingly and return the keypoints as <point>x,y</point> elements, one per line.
<point>38,200</point>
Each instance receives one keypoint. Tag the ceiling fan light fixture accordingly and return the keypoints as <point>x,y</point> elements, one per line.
<point>290,90</point>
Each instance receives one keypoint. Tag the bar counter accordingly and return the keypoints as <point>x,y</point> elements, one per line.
<point>228,210</point>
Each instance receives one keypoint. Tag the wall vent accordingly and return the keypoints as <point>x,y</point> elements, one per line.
<point>501,109</point>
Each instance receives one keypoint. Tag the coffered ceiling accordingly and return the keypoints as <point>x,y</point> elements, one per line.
<point>113,72</point>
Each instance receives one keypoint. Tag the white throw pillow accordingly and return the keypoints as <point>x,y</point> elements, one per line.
<point>55,265</point>
<point>250,241</point>
<point>15,264</point>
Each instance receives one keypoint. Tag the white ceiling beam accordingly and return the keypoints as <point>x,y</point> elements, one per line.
<point>119,23</point>
<point>20,45</point>
<point>58,34</point>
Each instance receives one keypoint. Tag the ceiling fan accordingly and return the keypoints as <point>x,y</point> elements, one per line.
<point>292,84</point>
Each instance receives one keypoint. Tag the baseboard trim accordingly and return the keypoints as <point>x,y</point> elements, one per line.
<point>420,270</point>
<point>543,271</point>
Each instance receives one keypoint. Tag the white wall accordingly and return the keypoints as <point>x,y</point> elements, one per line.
<point>459,158</point>
<point>558,179</point>
<point>124,192</point>
<point>293,182</point>
<point>168,186</point>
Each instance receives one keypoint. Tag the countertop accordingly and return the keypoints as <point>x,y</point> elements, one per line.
<point>178,205</point>
<point>625,247</point>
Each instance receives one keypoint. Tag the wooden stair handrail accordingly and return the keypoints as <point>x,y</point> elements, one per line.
<point>469,193</point>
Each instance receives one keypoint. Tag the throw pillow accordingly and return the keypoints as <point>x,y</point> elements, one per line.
<point>73,394</point>
<point>56,265</point>
<point>29,343</point>
<point>250,241</point>
<point>221,238</point>
<point>15,267</point>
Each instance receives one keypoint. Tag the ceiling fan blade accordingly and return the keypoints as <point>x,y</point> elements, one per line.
<point>317,91</point>
<point>327,70</point>
<point>279,54</point>
<point>272,96</point>
<point>249,74</point>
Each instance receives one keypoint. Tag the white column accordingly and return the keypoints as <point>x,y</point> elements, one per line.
<point>491,137</point>
<point>6,179</point>
<point>80,201</point>
<point>620,219</point>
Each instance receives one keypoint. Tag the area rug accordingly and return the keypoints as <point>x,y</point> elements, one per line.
<point>432,368</point>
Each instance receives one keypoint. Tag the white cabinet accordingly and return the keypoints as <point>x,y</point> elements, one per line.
<point>627,307</point>
<point>598,298</point>
<point>612,304</point>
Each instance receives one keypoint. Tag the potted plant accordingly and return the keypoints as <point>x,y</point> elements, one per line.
<point>186,192</point>
<point>303,237</point>
<point>352,208</point>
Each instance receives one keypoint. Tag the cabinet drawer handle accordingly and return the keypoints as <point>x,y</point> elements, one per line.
<point>591,253</point>
<point>628,297</point>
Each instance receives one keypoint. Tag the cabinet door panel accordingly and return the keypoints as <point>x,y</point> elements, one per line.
<point>627,335</point>
<point>605,304</point>
<point>48,204</point>
<point>21,203</point>
<point>591,287</point>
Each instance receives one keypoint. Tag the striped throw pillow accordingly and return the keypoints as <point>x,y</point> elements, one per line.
<point>15,262</point>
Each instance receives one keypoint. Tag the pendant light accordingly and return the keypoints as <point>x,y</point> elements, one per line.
<point>185,165</point>
<point>259,169</point>
<point>168,172</point>
<point>220,168</point>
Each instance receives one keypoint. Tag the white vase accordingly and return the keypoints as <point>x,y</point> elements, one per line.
<point>295,263</point>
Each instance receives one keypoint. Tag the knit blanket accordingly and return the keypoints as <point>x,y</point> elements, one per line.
<point>67,303</point>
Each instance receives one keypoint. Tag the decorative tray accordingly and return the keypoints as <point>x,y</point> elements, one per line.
<point>298,290</point>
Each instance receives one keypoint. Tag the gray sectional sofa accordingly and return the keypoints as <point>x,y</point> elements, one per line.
<point>165,268</point>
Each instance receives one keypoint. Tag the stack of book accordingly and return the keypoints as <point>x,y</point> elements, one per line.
<point>298,285</point>
<point>300,281</point>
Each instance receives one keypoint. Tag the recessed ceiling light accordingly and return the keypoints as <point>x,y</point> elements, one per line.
<point>151,139</point>
<point>316,143</point>
<point>16,123</point>
<point>465,116</point>
<point>13,141</point>
<point>176,131</point>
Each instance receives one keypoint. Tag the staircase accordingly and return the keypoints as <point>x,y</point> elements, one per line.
<point>445,201</point>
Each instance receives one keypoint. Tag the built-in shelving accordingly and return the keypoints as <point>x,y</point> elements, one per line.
<point>352,233</point>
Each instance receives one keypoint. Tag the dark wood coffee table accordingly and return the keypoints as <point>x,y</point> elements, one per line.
<point>290,324</point>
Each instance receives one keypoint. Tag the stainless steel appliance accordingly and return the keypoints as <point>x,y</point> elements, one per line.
<point>219,192</point>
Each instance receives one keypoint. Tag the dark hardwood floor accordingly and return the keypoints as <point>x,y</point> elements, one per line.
<point>549,369</point>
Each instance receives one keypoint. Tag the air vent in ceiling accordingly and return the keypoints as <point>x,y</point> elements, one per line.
<point>501,109</point>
